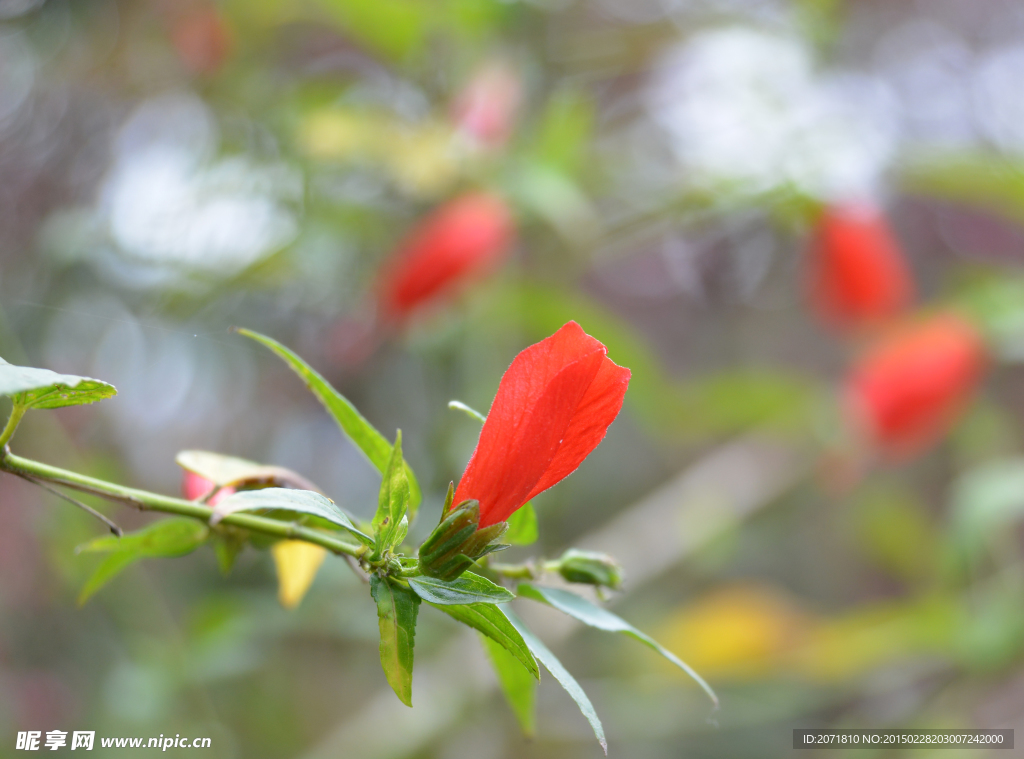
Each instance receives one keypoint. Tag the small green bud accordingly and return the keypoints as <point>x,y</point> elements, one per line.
<point>591,568</point>
<point>456,542</point>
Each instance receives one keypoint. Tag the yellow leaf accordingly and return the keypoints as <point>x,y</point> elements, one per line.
<point>297,564</point>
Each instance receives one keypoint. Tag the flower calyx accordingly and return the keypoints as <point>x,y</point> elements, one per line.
<point>457,542</point>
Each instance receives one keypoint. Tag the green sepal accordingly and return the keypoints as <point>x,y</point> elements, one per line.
<point>475,546</point>
<point>454,530</point>
<point>397,609</point>
<point>456,543</point>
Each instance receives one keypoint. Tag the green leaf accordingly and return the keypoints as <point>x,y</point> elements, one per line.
<point>226,548</point>
<point>393,501</point>
<point>567,681</point>
<point>472,413</point>
<point>166,538</point>
<point>467,589</point>
<point>595,616</point>
<point>41,388</point>
<point>986,501</point>
<point>519,688</point>
<point>286,499</point>
<point>522,526</point>
<point>229,471</point>
<point>493,622</point>
<point>397,608</point>
<point>373,445</point>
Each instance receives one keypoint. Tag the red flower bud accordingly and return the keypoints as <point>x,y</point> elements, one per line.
<point>857,276</point>
<point>553,406</point>
<point>454,244</point>
<point>194,487</point>
<point>907,390</point>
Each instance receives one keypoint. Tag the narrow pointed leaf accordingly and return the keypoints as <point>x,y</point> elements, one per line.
<point>166,538</point>
<point>397,608</point>
<point>393,500</point>
<point>229,471</point>
<point>561,674</point>
<point>519,687</point>
<point>41,388</point>
<point>596,616</point>
<point>493,622</point>
<point>467,589</point>
<point>522,526</point>
<point>286,499</point>
<point>374,445</point>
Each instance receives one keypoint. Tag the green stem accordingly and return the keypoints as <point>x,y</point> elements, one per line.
<point>147,501</point>
<point>17,411</point>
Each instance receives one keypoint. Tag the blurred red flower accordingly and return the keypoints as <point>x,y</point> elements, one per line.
<point>202,39</point>
<point>456,243</point>
<point>857,276</point>
<point>194,487</point>
<point>908,389</point>
<point>553,406</point>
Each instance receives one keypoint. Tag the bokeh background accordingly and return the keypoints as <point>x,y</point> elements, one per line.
<point>169,169</point>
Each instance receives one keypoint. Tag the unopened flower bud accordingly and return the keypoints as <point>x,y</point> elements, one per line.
<point>456,542</point>
<point>591,568</point>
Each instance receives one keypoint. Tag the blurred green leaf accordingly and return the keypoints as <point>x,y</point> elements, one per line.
<point>990,181</point>
<point>286,499</point>
<point>493,621</point>
<point>392,502</point>
<point>997,305</point>
<point>522,526</point>
<point>399,29</point>
<point>166,538</point>
<point>392,27</point>
<point>519,687</point>
<point>567,681</point>
<point>563,136</point>
<point>468,588</point>
<point>229,471</point>
<point>226,548</point>
<point>373,444</point>
<point>42,389</point>
<point>397,608</point>
<point>595,616</point>
<point>985,501</point>
<point>895,531</point>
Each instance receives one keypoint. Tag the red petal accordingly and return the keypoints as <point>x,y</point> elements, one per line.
<point>195,486</point>
<point>857,273</point>
<point>552,407</point>
<point>597,410</point>
<point>455,243</point>
<point>908,390</point>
